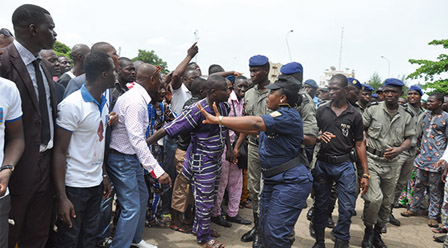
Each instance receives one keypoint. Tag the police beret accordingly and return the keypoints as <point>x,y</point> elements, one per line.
<point>258,60</point>
<point>366,87</point>
<point>289,85</point>
<point>355,82</point>
<point>380,89</point>
<point>231,78</point>
<point>291,68</point>
<point>393,82</point>
<point>416,88</point>
<point>311,83</point>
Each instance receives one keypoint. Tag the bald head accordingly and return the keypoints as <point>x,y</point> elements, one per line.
<point>79,50</point>
<point>145,71</point>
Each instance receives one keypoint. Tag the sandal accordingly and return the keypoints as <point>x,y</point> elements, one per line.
<point>440,230</point>
<point>213,244</point>
<point>433,223</point>
<point>214,233</point>
<point>408,213</point>
<point>183,228</point>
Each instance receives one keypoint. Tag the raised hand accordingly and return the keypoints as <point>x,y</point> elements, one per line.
<point>209,119</point>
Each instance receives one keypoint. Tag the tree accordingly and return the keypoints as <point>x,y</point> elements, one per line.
<point>61,49</point>
<point>431,71</point>
<point>375,81</point>
<point>151,57</point>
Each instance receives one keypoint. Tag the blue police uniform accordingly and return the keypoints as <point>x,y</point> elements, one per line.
<point>284,195</point>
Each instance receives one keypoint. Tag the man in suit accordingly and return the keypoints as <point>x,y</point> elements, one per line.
<point>32,194</point>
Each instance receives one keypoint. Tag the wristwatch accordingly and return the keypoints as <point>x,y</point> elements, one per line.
<point>7,166</point>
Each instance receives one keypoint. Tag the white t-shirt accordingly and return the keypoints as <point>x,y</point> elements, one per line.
<point>87,119</point>
<point>10,110</point>
<point>180,96</point>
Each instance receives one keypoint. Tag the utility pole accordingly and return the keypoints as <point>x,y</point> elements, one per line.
<point>340,51</point>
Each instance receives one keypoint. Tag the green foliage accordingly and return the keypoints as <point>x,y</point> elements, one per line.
<point>431,71</point>
<point>375,81</point>
<point>151,57</point>
<point>61,49</point>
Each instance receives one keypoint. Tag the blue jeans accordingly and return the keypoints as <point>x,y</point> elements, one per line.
<point>344,176</point>
<point>105,215</point>
<point>127,175</point>
<point>169,166</point>
<point>86,202</point>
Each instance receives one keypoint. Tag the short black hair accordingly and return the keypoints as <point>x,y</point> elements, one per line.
<point>124,61</point>
<point>214,81</point>
<point>96,63</point>
<point>28,14</point>
<point>214,69</point>
<point>196,86</point>
<point>438,96</point>
<point>342,80</point>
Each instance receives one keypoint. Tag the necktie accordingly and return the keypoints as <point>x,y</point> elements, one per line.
<point>45,131</point>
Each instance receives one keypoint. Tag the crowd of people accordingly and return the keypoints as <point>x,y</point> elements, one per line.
<point>96,146</point>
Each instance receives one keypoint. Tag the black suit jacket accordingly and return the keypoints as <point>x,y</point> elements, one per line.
<point>13,68</point>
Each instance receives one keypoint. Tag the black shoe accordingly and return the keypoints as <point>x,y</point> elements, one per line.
<point>221,221</point>
<point>394,221</point>
<point>341,243</point>
<point>319,244</point>
<point>440,239</point>
<point>249,236</point>
<point>310,213</point>
<point>258,237</point>
<point>367,241</point>
<point>238,219</point>
<point>377,240</point>
<point>330,222</point>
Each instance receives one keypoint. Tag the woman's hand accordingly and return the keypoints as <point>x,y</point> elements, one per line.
<point>209,119</point>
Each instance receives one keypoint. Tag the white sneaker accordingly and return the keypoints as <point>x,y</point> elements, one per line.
<point>143,244</point>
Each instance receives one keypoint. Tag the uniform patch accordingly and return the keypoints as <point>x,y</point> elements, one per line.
<point>276,114</point>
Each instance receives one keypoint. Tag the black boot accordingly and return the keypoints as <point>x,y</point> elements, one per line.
<point>377,241</point>
<point>249,236</point>
<point>320,239</point>
<point>367,241</point>
<point>310,213</point>
<point>392,219</point>
<point>341,243</point>
<point>258,237</point>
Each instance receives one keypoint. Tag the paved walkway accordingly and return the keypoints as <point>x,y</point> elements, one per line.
<point>413,232</point>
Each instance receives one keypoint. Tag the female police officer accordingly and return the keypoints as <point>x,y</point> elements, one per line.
<point>287,182</point>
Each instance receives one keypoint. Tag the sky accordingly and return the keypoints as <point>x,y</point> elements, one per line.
<point>230,32</point>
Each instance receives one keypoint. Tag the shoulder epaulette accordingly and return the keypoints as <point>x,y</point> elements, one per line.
<point>409,112</point>
<point>372,104</point>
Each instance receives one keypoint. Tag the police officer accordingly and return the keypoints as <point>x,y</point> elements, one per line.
<point>307,109</point>
<point>342,132</point>
<point>364,97</point>
<point>352,93</point>
<point>406,159</point>
<point>389,129</point>
<point>287,182</point>
<point>255,104</point>
<point>380,94</point>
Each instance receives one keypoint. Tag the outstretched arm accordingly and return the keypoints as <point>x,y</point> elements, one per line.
<point>180,69</point>
<point>244,124</point>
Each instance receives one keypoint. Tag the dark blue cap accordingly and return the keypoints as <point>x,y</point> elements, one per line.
<point>311,83</point>
<point>291,68</point>
<point>258,60</point>
<point>374,95</point>
<point>366,87</point>
<point>355,82</point>
<point>417,88</point>
<point>393,82</point>
<point>380,89</point>
<point>231,78</point>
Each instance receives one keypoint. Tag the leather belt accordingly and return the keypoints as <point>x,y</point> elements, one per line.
<point>113,151</point>
<point>334,159</point>
<point>375,151</point>
<point>281,168</point>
